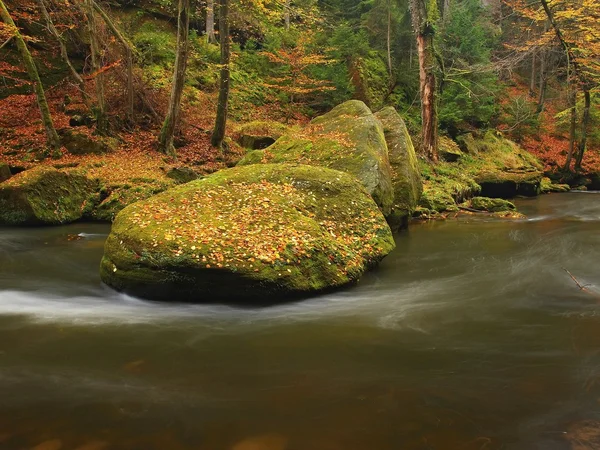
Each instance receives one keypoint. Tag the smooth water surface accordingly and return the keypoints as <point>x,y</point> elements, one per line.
<point>471,335</point>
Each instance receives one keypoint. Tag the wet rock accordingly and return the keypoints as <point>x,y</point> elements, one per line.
<point>501,167</point>
<point>406,178</point>
<point>259,232</point>
<point>46,196</point>
<point>491,204</point>
<point>54,444</point>
<point>263,442</point>
<point>547,186</point>
<point>349,138</point>
<point>94,445</point>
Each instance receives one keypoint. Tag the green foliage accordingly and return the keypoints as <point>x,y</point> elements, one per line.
<point>156,44</point>
<point>469,86</point>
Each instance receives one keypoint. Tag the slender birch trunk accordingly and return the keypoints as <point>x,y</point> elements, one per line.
<point>165,139</point>
<point>210,22</point>
<point>52,136</point>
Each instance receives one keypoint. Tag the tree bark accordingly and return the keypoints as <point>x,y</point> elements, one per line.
<point>101,119</point>
<point>584,127</point>
<point>572,127</point>
<point>287,14</point>
<point>210,22</point>
<point>63,50</point>
<point>221,120</point>
<point>129,51</point>
<point>424,32</point>
<point>533,78</point>
<point>388,38</point>
<point>52,137</point>
<point>165,140</point>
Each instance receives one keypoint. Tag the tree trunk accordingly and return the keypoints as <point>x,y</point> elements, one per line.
<point>572,128</point>
<point>424,32</point>
<point>165,140</point>
<point>129,51</point>
<point>63,50</point>
<point>101,119</point>
<point>210,22</point>
<point>287,14</point>
<point>389,39</point>
<point>542,83</point>
<point>584,127</point>
<point>533,78</point>
<point>221,121</point>
<point>52,137</point>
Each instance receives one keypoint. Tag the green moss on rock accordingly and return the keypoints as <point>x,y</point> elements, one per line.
<point>260,231</point>
<point>547,186</point>
<point>349,138</point>
<point>46,196</point>
<point>491,204</point>
<point>406,177</point>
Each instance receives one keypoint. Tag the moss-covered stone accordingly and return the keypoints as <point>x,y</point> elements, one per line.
<point>5,173</point>
<point>547,186</point>
<point>501,167</point>
<point>349,138</point>
<point>182,174</point>
<point>491,204</point>
<point>116,197</point>
<point>46,196</point>
<point>445,185</point>
<point>448,150</point>
<point>258,135</point>
<point>261,231</point>
<point>406,177</point>
<point>82,144</point>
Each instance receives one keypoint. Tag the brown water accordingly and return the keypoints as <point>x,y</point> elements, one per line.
<point>469,336</point>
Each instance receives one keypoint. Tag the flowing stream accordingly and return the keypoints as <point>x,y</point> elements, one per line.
<point>470,335</point>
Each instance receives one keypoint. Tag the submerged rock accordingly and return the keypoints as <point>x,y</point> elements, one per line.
<point>406,178</point>
<point>46,196</point>
<point>251,232</point>
<point>349,138</point>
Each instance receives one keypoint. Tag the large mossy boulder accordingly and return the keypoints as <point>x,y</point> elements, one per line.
<point>491,204</point>
<point>263,232</point>
<point>349,138</point>
<point>501,167</point>
<point>46,196</point>
<point>406,177</point>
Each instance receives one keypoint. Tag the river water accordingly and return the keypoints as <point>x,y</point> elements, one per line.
<point>471,335</point>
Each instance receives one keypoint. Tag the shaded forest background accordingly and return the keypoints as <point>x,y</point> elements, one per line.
<point>498,65</point>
